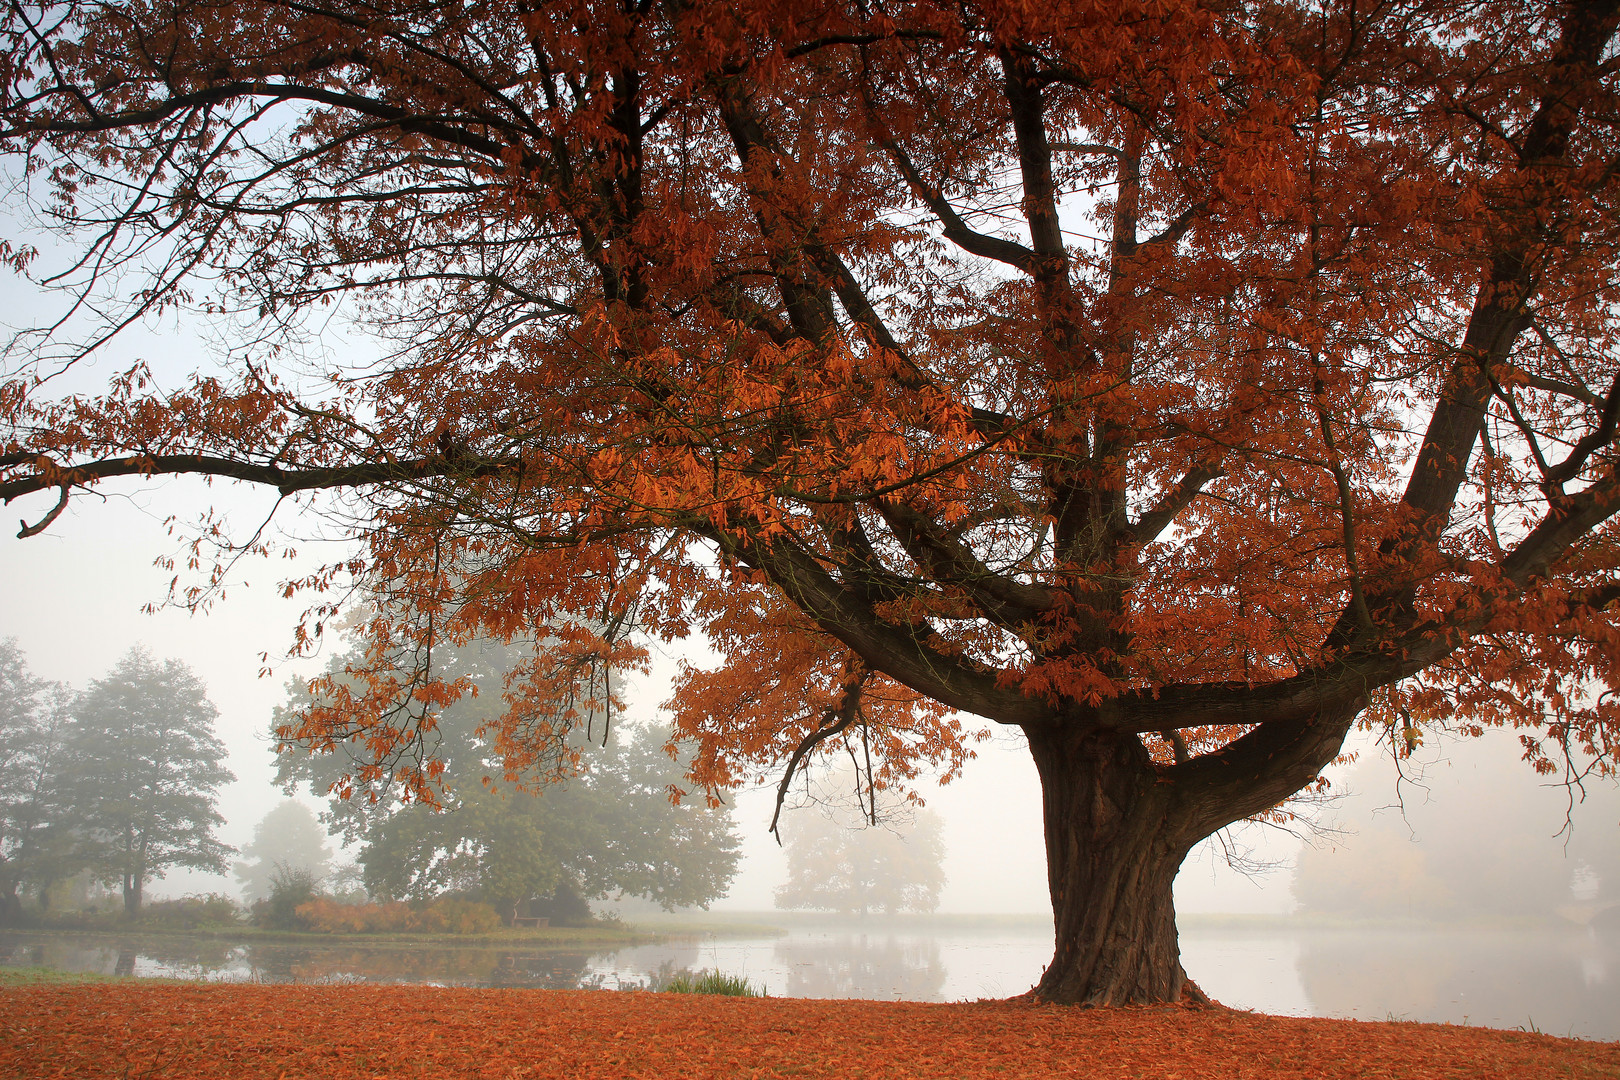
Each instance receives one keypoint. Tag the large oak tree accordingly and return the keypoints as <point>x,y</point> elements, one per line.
<point>1176,382</point>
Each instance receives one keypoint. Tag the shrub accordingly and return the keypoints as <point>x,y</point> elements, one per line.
<point>290,887</point>
<point>327,916</point>
<point>324,915</point>
<point>192,912</point>
<point>81,920</point>
<point>458,916</point>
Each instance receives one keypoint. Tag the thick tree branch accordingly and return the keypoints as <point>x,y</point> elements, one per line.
<point>1035,166</point>
<point>1152,524</point>
<point>1501,311</point>
<point>899,652</point>
<point>956,230</point>
<point>1008,603</point>
<point>284,480</point>
<point>1352,676</point>
<point>1592,442</point>
<point>805,296</point>
<point>837,719</point>
<point>1570,518</point>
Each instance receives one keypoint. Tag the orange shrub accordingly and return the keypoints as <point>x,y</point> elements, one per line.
<point>324,915</point>
<point>460,917</point>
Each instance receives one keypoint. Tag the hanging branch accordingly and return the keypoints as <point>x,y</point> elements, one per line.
<point>835,719</point>
<point>44,522</point>
<point>871,783</point>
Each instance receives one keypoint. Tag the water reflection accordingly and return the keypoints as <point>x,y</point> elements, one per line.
<point>174,957</point>
<point>1560,982</point>
<point>856,965</point>
<point>276,962</point>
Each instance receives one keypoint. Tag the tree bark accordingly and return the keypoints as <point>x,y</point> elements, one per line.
<point>1118,826</point>
<point>1114,842</point>
<point>11,910</point>
<point>132,894</point>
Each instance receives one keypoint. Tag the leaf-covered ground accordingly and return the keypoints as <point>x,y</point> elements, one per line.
<point>191,1030</point>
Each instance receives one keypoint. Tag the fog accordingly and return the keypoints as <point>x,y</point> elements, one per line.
<point>1465,835</point>
<point>74,599</point>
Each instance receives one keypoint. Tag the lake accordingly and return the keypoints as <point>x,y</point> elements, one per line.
<point>1559,981</point>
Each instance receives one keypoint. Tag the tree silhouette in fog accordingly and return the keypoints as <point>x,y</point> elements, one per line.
<point>608,828</point>
<point>288,836</point>
<point>141,775</point>
<point>855,867</point>
<point>1462,829</point>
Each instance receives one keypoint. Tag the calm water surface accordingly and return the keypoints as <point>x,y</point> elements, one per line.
<point>1562,982</point>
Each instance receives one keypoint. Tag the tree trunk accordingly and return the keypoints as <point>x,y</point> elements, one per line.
<point>1114,842</point>
<point>11,910</point>
<point>1118,826</point>
<point>132,894</point>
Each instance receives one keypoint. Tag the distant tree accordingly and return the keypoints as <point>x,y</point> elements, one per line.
<point>609,830</point>
<point>31,729</point>
<point>346,883</point>
<point>288,836</point>
<point>489,844</point>
<point>145,770</point>
<point>836,865</point>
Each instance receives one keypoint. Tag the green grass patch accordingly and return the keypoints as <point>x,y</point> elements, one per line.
<point>711,982</point>
<point>49,976</point>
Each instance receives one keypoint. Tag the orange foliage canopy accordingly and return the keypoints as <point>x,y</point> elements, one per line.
<point>354,1032</point>
<point>1176,381</point>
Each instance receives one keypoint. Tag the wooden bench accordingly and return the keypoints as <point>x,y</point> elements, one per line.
<point>538,921</point>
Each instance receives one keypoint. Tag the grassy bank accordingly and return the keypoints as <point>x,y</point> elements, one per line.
<point>730,923</point>
<point>44,976</point>
<point>551,935</point>
<point>186,1030</point>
